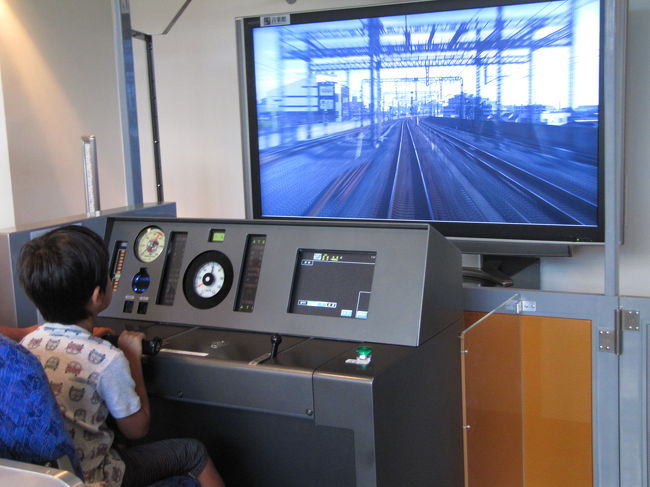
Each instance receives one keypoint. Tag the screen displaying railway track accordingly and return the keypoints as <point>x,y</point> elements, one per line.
<point>484,115</point>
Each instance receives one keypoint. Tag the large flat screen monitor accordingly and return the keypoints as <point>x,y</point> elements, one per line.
<point>483,117</point>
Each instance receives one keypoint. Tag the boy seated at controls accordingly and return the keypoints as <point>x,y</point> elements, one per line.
<point>65,274</point>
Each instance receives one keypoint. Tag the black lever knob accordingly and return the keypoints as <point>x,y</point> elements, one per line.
<point>150,346</point>
<point>275,343</point>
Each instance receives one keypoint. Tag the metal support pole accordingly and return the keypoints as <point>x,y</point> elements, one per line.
<point>153,108</point>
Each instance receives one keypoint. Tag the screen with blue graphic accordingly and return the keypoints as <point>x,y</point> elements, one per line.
<point>482,117</point>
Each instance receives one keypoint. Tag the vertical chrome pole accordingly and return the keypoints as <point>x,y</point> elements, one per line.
<point>91,174</point>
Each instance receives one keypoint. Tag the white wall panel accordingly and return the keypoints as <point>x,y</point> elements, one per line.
<point>59,83</point>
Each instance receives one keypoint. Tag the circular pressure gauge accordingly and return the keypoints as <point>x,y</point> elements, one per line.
<point>208,279</point>
<point>149,244</point>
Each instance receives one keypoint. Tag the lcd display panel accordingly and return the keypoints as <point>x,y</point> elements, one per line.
<point>482,117</point>
<point>250,273</point>
<point>172,269</point>
<point>335,283</point>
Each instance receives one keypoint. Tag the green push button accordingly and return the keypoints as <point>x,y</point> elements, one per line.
<point>364,353</point>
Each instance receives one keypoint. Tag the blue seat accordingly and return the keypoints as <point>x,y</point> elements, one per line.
<point>31,426</point>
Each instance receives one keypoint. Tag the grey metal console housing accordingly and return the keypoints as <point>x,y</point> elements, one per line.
<point>313,415</point>
<point>416,287</point>
<point>308,418</point>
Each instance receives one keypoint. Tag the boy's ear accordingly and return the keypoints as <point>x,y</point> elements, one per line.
<point>96,298</point>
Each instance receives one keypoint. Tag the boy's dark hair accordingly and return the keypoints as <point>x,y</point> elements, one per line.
<point>60,269</point>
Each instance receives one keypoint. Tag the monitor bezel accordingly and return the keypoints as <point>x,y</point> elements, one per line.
<point>527,239</point>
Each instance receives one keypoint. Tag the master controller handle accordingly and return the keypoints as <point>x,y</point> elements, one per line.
<point>275,343</point>
<point>149,346</point>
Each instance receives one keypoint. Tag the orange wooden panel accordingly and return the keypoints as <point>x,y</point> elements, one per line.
<point>527,397</point>
<point>472,317</point>
<point>556,371</point>
<point>492,403</point>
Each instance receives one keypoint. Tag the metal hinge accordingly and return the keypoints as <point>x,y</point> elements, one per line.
<point>611,341</point>
<point>608,340</point>
<point>630,319</point>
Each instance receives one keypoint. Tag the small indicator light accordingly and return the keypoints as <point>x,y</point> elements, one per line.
<point>364,353</point>
<point>217,235</point>
<point>364,356</point>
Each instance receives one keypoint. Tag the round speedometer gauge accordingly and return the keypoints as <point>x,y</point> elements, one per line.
<point>149,244</point>
<point>208,279</point>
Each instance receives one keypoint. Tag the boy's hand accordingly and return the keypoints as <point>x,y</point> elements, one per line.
<point>130,342</point>
<point>100,331</point>
<point>136,425</point>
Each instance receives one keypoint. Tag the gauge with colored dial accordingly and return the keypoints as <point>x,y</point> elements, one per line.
<point>149,244</point>
<point>208,279</point>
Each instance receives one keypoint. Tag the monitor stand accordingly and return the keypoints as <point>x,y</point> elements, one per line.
<point>501,271</point>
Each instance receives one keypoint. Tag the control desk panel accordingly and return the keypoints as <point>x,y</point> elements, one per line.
<point>318,331</point>
<point>386,283</point>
